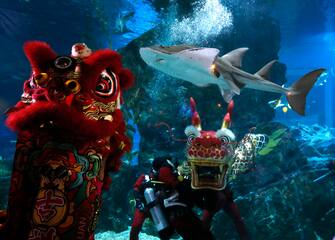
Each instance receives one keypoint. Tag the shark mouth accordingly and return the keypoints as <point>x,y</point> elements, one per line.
<point>208,173</point>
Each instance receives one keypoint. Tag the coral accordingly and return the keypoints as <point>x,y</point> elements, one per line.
<point>317,142</point>
<point>315,135</point>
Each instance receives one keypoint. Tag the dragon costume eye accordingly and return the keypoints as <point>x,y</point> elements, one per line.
<point>73,86</point>
<point>225,135</point>
<point>63,62</point>
<point>191,133</point>
<point>41,79</point>
<point>107,84</point>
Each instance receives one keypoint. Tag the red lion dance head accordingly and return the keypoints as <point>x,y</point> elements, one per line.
<point>71,133</point>
<point>214,156</point>
<point>209,152</point>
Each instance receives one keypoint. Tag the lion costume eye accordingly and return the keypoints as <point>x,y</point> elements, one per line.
<point>191,133</point>
<point>64,62</point>
<point>107,84</point>
<point>225,135</point>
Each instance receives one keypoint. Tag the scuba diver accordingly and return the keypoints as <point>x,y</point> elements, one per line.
<point>212,201</point>
<point>167,201</point>
<point>213,159</point>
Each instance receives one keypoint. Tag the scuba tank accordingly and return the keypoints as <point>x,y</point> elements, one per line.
<point>156,212</point>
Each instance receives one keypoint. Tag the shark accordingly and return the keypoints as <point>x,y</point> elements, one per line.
<point>203,66</point>
<point>121,22</point>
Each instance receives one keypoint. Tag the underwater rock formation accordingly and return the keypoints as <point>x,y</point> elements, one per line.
<point>317,142</point>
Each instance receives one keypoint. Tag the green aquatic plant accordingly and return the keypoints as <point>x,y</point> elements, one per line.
<point>273,141</point>
<point>132,133</point>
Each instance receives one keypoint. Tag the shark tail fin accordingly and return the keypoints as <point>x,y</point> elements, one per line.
<point>264,71</point>
<point>296,96</point>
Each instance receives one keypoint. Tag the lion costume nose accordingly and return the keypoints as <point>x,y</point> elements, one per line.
<point>208,141</point>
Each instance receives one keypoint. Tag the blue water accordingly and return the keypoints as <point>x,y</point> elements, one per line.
<point>61,24</point>
<point>307,42</point>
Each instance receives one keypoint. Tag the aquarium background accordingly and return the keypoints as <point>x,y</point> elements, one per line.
<point>280,199</point>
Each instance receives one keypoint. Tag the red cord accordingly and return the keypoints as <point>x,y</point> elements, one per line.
<point>160,124</point>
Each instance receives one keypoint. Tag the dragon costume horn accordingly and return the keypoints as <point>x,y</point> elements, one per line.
<point>227,118</point>
<point>196,122</point>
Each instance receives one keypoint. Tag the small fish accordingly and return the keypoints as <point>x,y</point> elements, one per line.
<point>121,22</point>
<point>280,104</point>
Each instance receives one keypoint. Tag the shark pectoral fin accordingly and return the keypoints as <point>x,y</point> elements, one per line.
<point>126,29</point>
<point>199,84</point>
<point>264,71</point>
<point>231,83</point>
<point>127,16</point>
<point>235,57</point>
<point>297,94</point>
<point>227,94</point>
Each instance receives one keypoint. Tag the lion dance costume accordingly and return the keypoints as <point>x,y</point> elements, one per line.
<point>71,134</point>
<point>213,159</point>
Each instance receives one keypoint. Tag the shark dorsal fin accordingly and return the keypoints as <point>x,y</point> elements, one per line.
<point>235,57</point>
<point>264,71</point>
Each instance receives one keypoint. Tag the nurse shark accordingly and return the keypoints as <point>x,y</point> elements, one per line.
<point>204,66</point>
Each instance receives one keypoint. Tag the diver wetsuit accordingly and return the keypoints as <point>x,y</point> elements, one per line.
<point>176,204</point>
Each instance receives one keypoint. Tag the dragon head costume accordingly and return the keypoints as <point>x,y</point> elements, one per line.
<point>215,157</point>
<point>71,133</point>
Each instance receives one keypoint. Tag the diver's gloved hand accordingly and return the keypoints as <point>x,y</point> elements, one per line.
<point>139,201</point>
<point>139,205</point>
